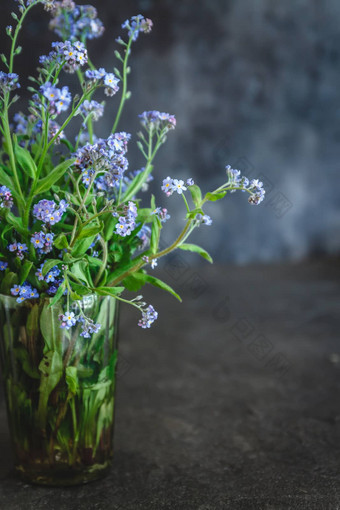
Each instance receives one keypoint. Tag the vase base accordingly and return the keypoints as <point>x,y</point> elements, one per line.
<point>62,476</point>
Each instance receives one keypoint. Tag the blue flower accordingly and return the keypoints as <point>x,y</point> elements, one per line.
<point>93,108</point>
<point>136,25</point>
<point>47,211</point>
<point>68,320</point>
<point>43,242</point>
<point>24,292</point>
<point>168,186</point>
<point>8,81</point>
<point>72,21</point>
<point>203,219</point>
<point>111,81</point>
<point>59,99</point>
<point>3,266</point>
<point>15,290</point>
<point>127,223</point>
<point>52,275</point>
<point>162,214</point>
<point>158,121</point>
<point>38,240</point>
<point>178,185</point>
<point>6,199</point>
<point>88,327</point>
<point>20,248</point>
<point>39,272</point>
<point>149,315</point>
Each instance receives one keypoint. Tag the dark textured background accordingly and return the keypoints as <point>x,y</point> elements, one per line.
<point>252,83</point>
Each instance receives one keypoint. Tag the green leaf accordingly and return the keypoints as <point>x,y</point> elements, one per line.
<point>33,332</point>
<point>196,249</point>
<point>212,197</point>
<point>155,234</point>
<point>5,179</point>
<point>25,160</point>
<point>144,215</point>
<point>109,291</point>
<point>6,229</point>
<point>196,194</point>
<point>123,268</point>
<point>51,368</point>
<point>94,261</point>
<point>89,231</point>
<point>82,245</point>
<point>25,270</point>
<point>81,271</point>
<point>15,222</point>
<point>8,282</point>
<point>72,380</point>
<point>68,145</point>
<point>61,242</point>
<point>22,355</point>
<point>192,214</point>
<point>47,182</point>
<point>136,281</point>
<point>109,224</point>
<point>59,294</point>
<point>81,290</point>
<point>133,282</point>
<point>50,328</point>
<point>50,264</point>
<point>136,184</point>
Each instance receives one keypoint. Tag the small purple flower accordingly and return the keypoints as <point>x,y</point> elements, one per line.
<point>38,240</point>
<point>111,81</point>
<point>190,182</point>
<point>149,315</point>
<point>43,242</point>
<point>204,219</point>
<point>71,21</point>
<point>20,248</point>
<point>15,290</point>
<point>93,108</point>
<point>136,25</point>
<point>8,82</point>
<point>123,227</point>
<point>52,275</point>
<point>39,273</point>
<point>6,199</point>
<point>168,186</point>
<point>3,266</point>
<point>50,92</point>
<point>68,320</point>
<point>33,294</point>
<point>178,185</point>
<point>158,121</point>
<point>88,327</point>
<point>47,211</point>
<point>24,292</point>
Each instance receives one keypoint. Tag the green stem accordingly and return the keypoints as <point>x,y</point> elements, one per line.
<point>104,261</point>
<point>186,202</point>
<point>124,91</point>
<point>133,190</point>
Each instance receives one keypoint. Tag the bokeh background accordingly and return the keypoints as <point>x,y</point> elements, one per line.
<point>254,84</point>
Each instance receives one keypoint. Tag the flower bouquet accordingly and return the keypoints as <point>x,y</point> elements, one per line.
<point>73,237</point>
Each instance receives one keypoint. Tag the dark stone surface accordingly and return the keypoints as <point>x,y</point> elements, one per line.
<point>231,401</point>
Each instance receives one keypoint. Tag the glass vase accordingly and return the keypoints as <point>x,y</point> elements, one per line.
<point>60,389</point>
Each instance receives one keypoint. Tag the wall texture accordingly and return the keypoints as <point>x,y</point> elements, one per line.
<point>253,83</point>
